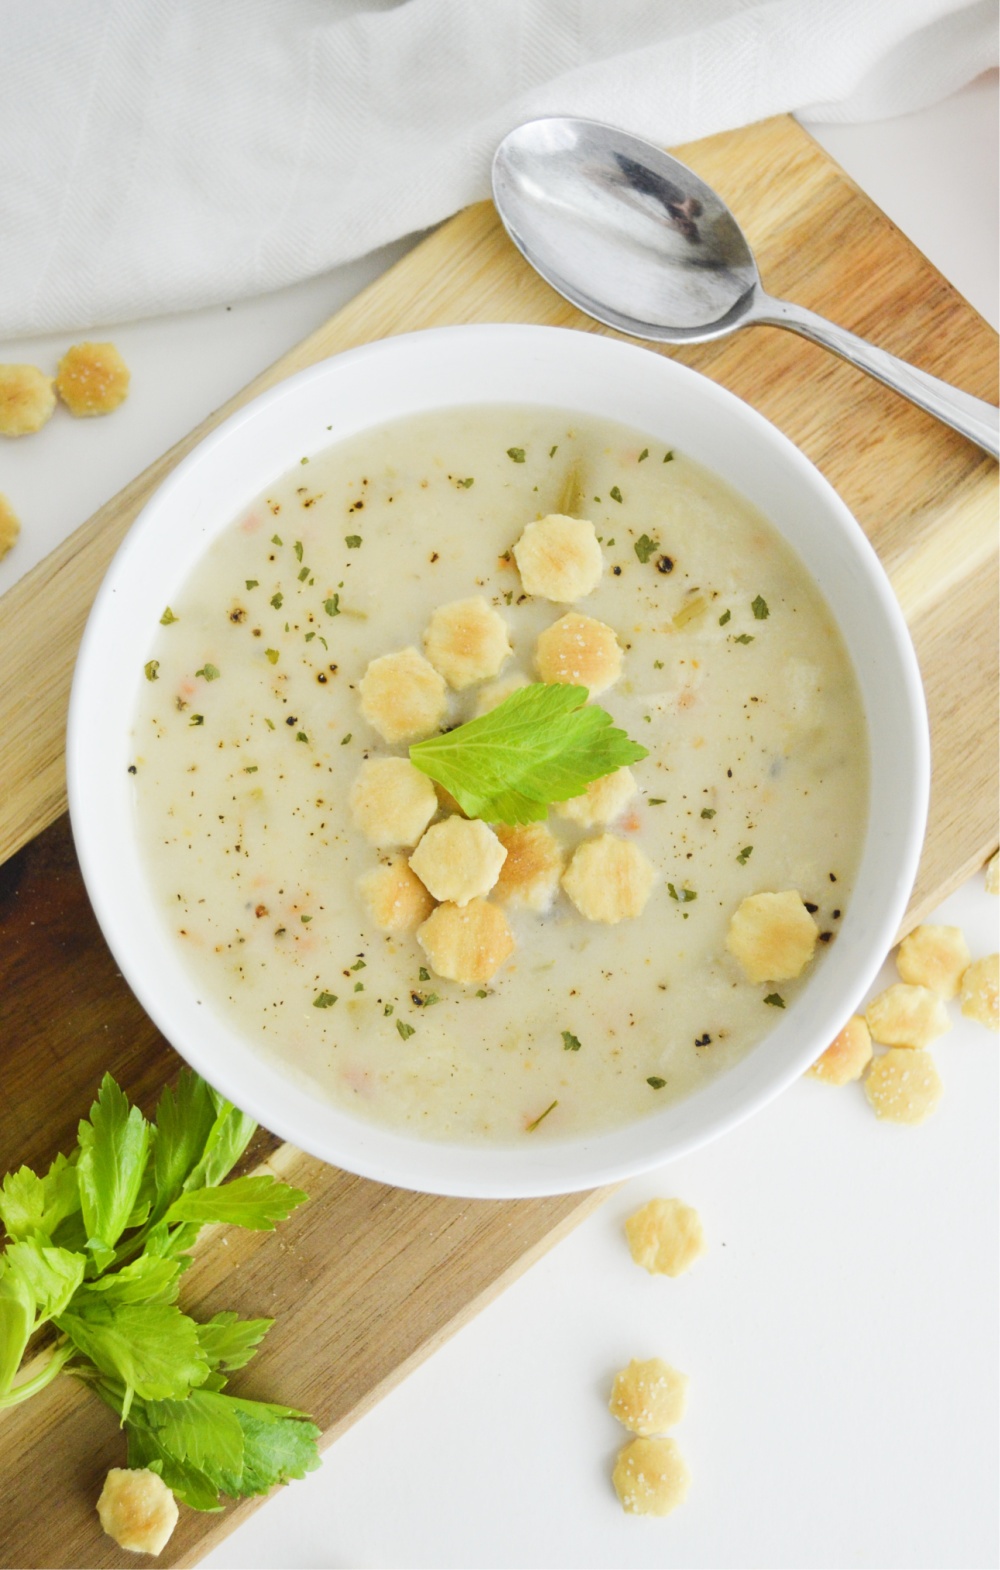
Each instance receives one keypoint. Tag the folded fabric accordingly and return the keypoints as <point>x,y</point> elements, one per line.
<point>168,154</point>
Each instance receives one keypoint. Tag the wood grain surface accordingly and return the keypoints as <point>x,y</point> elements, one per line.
<point>366,1280</point>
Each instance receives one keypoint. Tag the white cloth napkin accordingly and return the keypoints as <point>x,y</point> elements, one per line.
<point>163,154</point>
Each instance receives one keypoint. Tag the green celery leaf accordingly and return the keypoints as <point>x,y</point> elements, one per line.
<point>185,1119</point>
<point>229,1342</point>
<point>192,1487</point>
<point>203,1431</point>
<point>30,1204</point>
<point>225,1143</point>
<point>278,1444</point>
<point>148,1279</point>
<point>152,1348</point>
<point>17,1321</point>
<point>543,743</point>
<point>51,1275</point>
<point>254,1202</point>
<point>114,1149</point>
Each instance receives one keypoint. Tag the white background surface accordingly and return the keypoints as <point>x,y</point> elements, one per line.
<point>840,1333</point>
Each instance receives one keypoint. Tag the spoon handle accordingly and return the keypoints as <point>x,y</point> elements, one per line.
<point>973,417</point>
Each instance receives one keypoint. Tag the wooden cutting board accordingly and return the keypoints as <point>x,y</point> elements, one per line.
<point>365,1280</point>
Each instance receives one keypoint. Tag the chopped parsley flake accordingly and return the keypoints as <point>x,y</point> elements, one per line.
<point>324,1000</point>
<point>668,457</point>
<point>643,455</point>
<point>541,1116</point>
<point>759,608</point>
<point>708,812</point>
<point>657,665</point>
<point>744,855</point>
<point>464,484</point>
<point>726,616</point>
<point>332,605</point>
<point>300,735</point>
<point>352,541</point>
<point>515,454</point>
<point>482,993</point>
<point>656,801</point>
<point>615,494</point>
<point>276,539</point>
<point>644,547</point>
<point>277,600</point>
<point>151,668</point>
<point>167,617</point>
<point>210,672</point>
<point>268,723</point>
<point>571,1043</point>
<point>656,1082</point>
<point>405,1030</point>
<point>775,999</point>
<point>303,575</point>
<point>423,974</point>
<point>297,548</point>
<point>359,964</point>
<point>272,655</point>
<point>682,896</point>
<point>744,637</point>
<point>345,739</point>
<point>359,986</point>
<point>197,719</point>
<point>553,450</point>
<point>389,1009</point>
<point>251,583</point>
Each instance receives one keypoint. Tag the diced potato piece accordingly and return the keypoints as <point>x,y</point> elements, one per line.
<point>903,1085</point>
<point>935,957</point>
<point>530,875</point>
<point>403,696</point>
<point>980,984</point>
<point>846,1056</point>
<point>651,1477</point>
<point>772,936</point>
<point>137,1509</point>
<point>26,399</point>
<point>458,859</point>
<point>905,1016</point>
<point>466,943</point>
<point>578,651</point>
<point>609,879</point>
<point>559,558</point>
<point>392,802</point>
<point>993,874</point>
<point>92,378</point>
<point>493,695</point>
<point>602,802</point>
<point>648,1397</point>
<point>466,641</point>
<point>665,1237</point>
<point>395,896</point>
<point>10,526</point>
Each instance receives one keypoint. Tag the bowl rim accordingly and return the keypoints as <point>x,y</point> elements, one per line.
<point>470,1171</point>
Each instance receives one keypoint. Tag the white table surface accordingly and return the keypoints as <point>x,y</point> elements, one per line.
<point>840,1334</point>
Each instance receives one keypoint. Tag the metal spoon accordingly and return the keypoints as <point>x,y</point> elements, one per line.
<point>633,238</point>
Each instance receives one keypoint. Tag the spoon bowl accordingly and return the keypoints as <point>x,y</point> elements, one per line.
<point>636,240</point>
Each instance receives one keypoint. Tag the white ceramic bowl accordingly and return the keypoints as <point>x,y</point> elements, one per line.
<point>444,369</point>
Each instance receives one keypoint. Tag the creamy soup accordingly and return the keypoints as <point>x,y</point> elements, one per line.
<point>250,735</point>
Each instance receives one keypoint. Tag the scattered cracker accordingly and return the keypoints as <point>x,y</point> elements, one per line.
<point>609,879</point>
<point>847,1055</point>
<point>26,399</point>
<point>651,1477</point>
<point>648,1397</point>
<point>665,1237</point>
<point>137,1509</point>
<point>979,991</point>
<point>579,651</point>
<point>772,936</point>
<point>403,696</point>
<point>907,1016</point>
<point>466,943</point>
<point>10,526</point>
<point>530,875</point>
<point>458,859</point>
<point>395,896</point>
<point>466,641</point>
<point>491,696</point>
<point>391,801</point>
<point>559,558</point>
<point>903,1085</point>
<point>602,802</point>
<point>92,378</point>
<point>935,957</point>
